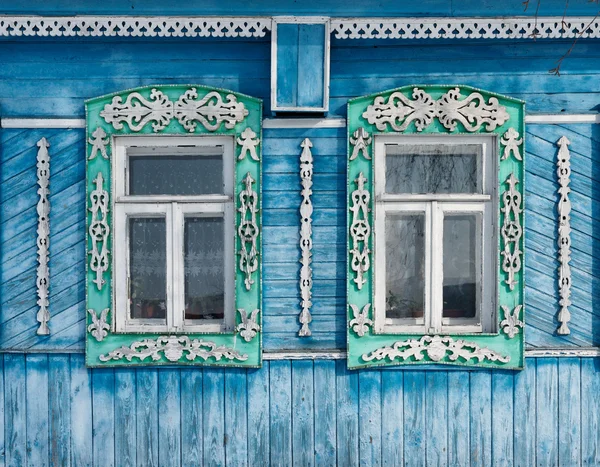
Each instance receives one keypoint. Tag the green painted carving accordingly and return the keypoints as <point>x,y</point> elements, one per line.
<point>169,110</point>
<point>436,110</point>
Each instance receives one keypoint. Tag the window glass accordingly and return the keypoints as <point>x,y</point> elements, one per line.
<point>191,171</point>
<point>435,169</point>
<point>405,267</point>
<point>204,268</point>
<point>147,268</point>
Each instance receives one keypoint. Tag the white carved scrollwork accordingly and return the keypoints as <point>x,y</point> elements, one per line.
<point>99,142</point>
<point>512,231</point>
<point>360,231</point>
<point>360,140</point>
<point>306,209</point>
<point>99,327</point>
<point>436,348</point>
<point>511,322</point>
<point>361,322</point>
<point>211,111</point>
<point>511,142</point>
<point>564,234</point>
<point>173,348</point>
<point>472,112</point>
<point>249,143</point>
<point>99,231</point>
<point>43,236</point>
<point>249,325</point>
<point>248,230</point>
<point>137,111</point>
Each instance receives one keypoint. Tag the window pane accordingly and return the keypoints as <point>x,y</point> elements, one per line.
<point>440,168</point>
<point>461,266</point>
<point>147,268</point>
<point>204,268</point>
<point>176,174</point>
<point>405,266</point>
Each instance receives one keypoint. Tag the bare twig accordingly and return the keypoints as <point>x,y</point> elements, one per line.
<point>556,69</point>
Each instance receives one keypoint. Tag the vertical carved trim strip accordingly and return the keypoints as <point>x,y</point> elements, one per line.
<point>564,234</point>
<point>306,209</point>
<point>43,236</point>
<point>99,231</point>
<point>512,231</point>
<point>360,231</point>
<point>248,231</point>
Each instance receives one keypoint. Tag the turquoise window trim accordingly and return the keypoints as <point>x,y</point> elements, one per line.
<point>173,110</point>
<point>435,110</point>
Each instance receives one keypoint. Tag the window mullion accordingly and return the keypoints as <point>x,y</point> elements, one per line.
<point>176,261</point>
<point>436,271</point>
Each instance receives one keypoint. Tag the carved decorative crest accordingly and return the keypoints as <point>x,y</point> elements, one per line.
<point>472,112</point>
<point>361,322</point>
<point>248,231</point>
<point>360,231</point>
<point>511,231</point>
<point>137,111</point>
<point>511,322</point>
<point>360,140</point>
<point>211,111</point>
<point>249,143</point>
<point>99,327</point>
<point>511,142</point>
<point>99,142</point>
<point>249,325</point>
<point>173,348</point>
<point>436,348</point>
<point>99,231</point>
<point>43,236</point>
<point>306,209</point>
<point>564,234</point>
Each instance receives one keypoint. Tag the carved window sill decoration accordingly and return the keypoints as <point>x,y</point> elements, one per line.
<point>426,334</point>
<point>210,117</point>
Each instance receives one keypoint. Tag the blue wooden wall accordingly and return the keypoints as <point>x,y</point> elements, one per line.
<point>56,412</point>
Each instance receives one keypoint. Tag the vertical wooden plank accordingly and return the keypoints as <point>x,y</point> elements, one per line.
<point>569,411</point>
<point>459,434</point>
<point>502,418</point>
<point>481,417</point>
<point>280,391</point>
<point>436,418</point>
<point>147,416</point>
<point>125,427</point>
<point>213,416</point>
<point>547,411</point>
<point>525,401</point>
<point>347,414</point>
<point>37,409</point>
<point>258,415</point>
<point>311,58</point>
<point>81,412</point>
<point>191,416</point>
<point>590,411</point>
<point>414,418</point>
<point>392,418</point>
<point>60,410</point>
<point>15,410</point>
<point>236,417</point>
<point>325,413</point>
<point>369,417</point>
<point>287,65</point>
<point>169,417</point>
<point>303,419</point>
<point>103,417</point>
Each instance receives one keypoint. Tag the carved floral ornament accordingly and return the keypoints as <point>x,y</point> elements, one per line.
<point>306,210</point>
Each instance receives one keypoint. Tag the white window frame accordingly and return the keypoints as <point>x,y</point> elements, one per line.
<point>434,206</point>
<point>174,209</point>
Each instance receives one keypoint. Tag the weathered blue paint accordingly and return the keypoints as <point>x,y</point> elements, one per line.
<point>544,415</point>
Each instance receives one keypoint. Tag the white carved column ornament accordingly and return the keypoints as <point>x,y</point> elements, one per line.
<point>248,231</point>
<point>360,140</point>
<point>564,234</point>
<point>249,143</point>
<point>249,325</point>
<point>99,231</point>
<point>511,142</point>
<point>99,327</point>
<point>360,231</point>
<point>511,322</point>
<point>361,322</point>
<point>43,236</point>
<point>511,231</point>
<point>306,209</point>
<point>99,142</point>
